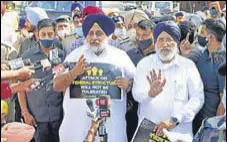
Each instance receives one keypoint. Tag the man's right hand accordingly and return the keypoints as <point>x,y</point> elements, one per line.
<point>80,67</point>
<point>156,83</point>
<point>24,73</point>
<point>29,119</point>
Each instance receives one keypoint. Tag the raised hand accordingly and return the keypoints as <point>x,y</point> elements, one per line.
<point>156,83</point>
<point>185,46</point>
<point>81,66</point>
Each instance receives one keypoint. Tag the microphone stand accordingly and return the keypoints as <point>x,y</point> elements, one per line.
<point>93,130</point>
<point>102,132</point>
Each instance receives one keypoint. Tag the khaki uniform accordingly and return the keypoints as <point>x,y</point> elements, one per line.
<point>66,42</point>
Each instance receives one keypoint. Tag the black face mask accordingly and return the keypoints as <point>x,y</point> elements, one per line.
<point>202,41</point>
<point>144,44</point>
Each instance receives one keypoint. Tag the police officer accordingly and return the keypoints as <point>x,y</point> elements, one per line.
<point>119,38</point>
<point>65,31</point>
<point>43,108</point>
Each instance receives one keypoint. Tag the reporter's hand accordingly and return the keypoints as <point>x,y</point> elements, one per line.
<point>122,83</point>
<point>23,86</point>
<point>26,85</point>
<point>4,67</point>
<point>29,119</point>
<point>24,73</point>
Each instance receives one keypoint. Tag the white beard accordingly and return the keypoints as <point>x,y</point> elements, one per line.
<point>97,49</point>
<point>173,51</point>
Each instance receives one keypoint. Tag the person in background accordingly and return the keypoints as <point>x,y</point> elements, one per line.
<point>207,62</point>
<point>145,43</point>
<point>63,26</point>
<point>168,86</point>
<point>222,71</point>
<point>112,14</point>
<point>187,36</point>
<point>86,11</point>
<point>77,20</point>
<point>201,38</point>
<point>76,7</point>
<point>179,17</point>
<point>33,16</point>
<point>214,128</point>
<point>167,18</point>
<point>195,20</point>
<point>65,34</point>
<point>131,20</point>
<point>206,11</point>
<point>144,40</point>
<point>201,41</point>
<point>42,108</point>
<point>119,38</point>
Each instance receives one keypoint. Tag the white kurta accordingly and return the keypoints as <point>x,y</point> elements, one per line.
<point>76,123</point>
<point>182,96</point>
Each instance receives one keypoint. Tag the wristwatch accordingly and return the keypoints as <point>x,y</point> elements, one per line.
<point>175,120</point>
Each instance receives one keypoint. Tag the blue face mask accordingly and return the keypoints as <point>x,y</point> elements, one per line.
<point>79,31</point>
<point>47,42</point>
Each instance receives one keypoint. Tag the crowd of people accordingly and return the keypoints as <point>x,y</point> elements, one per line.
<point>173,73</point>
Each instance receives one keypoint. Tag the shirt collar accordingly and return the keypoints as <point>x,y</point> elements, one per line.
<point>219,50</point>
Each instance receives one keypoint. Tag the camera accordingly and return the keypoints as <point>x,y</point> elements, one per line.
<point>99,107</point>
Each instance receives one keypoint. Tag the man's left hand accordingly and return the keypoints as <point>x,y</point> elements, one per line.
<point>122,83</point>
<point>168,124</point>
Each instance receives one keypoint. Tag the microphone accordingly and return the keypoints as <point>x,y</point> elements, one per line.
<point>90,105</point>
<point>19,63</point>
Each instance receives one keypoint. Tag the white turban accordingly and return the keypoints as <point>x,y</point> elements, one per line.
<point>35,14</point>
<point>135,16</point>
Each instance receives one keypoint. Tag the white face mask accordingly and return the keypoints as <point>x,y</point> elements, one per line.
<point>132,34</point>
<point>120,32</point>
<point>172,52</point>
<point>62,34</point>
